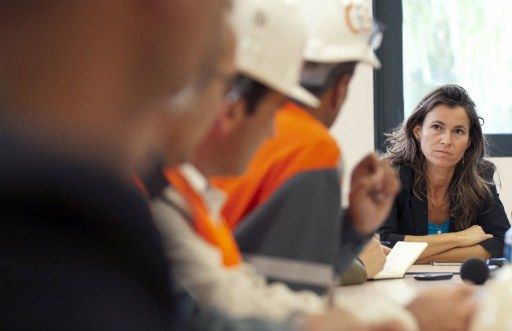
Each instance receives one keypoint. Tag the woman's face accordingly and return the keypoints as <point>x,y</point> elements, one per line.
<point>444,136</point>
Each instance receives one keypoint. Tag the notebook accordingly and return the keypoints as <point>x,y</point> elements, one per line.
<point>402,257</point>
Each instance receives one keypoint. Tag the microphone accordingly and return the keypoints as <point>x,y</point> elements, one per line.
<point>475,271</point>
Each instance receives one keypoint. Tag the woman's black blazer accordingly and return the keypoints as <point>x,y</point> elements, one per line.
<point>409,216</point>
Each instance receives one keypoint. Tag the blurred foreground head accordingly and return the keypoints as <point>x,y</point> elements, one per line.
<point>79,76</point>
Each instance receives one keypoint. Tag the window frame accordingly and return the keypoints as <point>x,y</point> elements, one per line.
<point>388,81</point>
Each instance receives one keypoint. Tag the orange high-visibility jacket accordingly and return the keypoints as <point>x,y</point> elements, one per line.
<point>216,232</point>
<point>301,144</point>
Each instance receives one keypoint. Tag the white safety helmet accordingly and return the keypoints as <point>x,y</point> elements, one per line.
<point>340,31</point>
<point>271,43</point>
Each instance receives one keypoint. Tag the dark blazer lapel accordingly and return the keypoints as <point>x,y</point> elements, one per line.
<point>420,212</point>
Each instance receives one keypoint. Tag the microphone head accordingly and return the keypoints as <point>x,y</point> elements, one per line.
<point>475,271</point>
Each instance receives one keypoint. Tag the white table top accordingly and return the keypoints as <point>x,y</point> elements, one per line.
<point>399,291</point>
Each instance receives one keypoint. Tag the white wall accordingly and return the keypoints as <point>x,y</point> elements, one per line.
<point>354,129</point>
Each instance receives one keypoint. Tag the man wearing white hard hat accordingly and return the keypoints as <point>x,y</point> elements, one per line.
<point>293,182</point>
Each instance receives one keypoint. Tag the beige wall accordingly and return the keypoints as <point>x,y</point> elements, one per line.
<point>504,165</point>
<point>354,132</point>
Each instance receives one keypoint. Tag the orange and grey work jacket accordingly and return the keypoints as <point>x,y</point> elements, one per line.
<point>216,232</point>
<point>287,206</point>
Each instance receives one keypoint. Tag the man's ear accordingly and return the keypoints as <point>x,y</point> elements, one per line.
<point>231,118</point>
<point>341,90</point>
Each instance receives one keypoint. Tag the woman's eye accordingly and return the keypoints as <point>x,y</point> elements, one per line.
<point>460,132</point>
<point>436,127</point>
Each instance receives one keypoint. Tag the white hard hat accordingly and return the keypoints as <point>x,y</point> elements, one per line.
<point>271,42</point>
<point>340,31</point>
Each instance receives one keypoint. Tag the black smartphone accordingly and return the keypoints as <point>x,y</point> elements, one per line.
<point>434,276</point>
<point>497,261</point>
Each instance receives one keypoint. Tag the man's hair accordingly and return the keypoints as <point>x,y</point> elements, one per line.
<point>251,91</point>
<point>318,78</point>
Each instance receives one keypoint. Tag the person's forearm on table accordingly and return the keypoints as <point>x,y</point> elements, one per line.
<point>436,243</point>
<point>459,254</point>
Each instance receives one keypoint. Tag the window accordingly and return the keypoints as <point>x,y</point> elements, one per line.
<point>466,42</point>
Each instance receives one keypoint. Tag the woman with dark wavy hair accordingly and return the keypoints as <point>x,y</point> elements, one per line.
<point>448,197</point>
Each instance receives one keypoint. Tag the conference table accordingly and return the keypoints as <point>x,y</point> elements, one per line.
<point>402,290</point>
<point>494,303</point>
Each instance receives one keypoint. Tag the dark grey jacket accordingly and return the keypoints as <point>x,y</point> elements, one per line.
<point>79,251</point>
<point>302,222</point>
